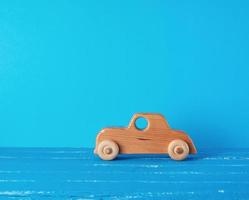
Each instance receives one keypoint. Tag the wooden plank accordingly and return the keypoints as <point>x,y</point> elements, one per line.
<point>67,173</point>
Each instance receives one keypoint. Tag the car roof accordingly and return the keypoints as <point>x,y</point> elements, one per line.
<point>148,114</point>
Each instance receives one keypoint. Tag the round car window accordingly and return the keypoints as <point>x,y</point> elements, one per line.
<point>141,123</point>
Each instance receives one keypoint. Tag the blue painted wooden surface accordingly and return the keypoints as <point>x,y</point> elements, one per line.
<point>67,173</point>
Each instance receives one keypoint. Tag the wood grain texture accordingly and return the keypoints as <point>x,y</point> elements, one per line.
<point>76,174</point>
<point>152,140</point>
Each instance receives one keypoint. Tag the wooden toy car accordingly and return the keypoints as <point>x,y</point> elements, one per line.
<point>156,138</point>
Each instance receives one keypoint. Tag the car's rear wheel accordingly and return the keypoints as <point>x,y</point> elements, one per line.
<point>178,149</point>
<point>108,150</point>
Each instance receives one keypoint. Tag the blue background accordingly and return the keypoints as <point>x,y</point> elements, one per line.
<point>70,68</point>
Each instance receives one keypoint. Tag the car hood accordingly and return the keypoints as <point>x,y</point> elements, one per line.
<point>112,128</point>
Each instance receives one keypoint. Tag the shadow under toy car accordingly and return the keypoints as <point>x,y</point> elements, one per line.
<point>156,138</point>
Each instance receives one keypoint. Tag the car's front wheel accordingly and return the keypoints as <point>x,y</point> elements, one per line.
<point>178,149</point>
<point>108,150</point>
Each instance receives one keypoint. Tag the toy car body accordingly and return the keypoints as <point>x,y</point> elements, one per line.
<point>156,138</point>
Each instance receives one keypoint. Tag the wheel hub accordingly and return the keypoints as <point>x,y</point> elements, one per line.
<point>107,150</point>
<point>179,150</point>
